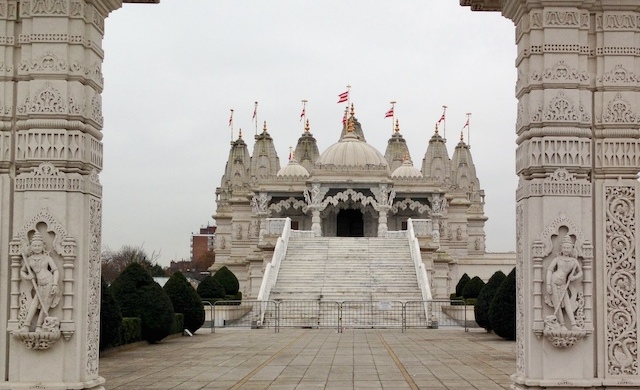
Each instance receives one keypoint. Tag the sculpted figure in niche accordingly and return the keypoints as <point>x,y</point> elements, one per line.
<point>562,276</point>
<point>239,232</point>
<point>41,271</point>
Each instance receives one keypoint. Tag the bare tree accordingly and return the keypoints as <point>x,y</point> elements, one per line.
<point>114,262</point>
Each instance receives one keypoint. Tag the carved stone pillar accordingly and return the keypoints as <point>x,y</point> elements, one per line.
<point>50,157</point>
<point>316,222</point>
<point>578,128</point>
<point>382,221</point>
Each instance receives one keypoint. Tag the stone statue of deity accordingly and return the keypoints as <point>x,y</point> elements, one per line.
<point>562,284</point>
<point>41,271</point>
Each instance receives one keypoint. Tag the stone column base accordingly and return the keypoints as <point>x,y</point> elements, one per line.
<point>95,384</point>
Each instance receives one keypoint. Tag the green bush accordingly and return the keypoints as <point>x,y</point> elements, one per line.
<point>502,310</point>
<point>156,313</point>
<point>472,288</point>
<point>185,300</point>
<point>210,289</point>
<point>461,283</point>
<point>178,323</point>
<point>470,301</point>
<point>131,330</point>
<point>228,280</point>
<point>110,319</point>
<point>481,308</point>
<point>125,289</point>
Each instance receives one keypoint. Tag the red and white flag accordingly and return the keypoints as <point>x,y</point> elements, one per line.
<point>344,118</point>
<point>303,113</point>
<point>255,112</point>
<point>343,97</point>
<point>441,118</point>
<point>466,124</point>
<point>231,119</point>
<point>389,113</point>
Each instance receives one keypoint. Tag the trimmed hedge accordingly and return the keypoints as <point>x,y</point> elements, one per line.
<point>472,288</point>
<point>481,308</point>
<point>110,319</point>
<point>461,283</point>
<point>228,280</point>
<point>131,330</point>
<point>502,311</point>
<point>156,313</point>
<point>178,323</point>
<point>125,289</point>
<point>210,289</point>
<point>185,300</point>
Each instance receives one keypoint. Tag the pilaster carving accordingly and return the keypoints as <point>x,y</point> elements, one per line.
<point>621,280</point>
<point>561,18</point>
<point>619,75</point>
<point>520,318</point>
<point>50,268</point>
<point>619,111</point>
<point>93,312</point>
<point>47,100</point>
<point>560,182</point>
<point>563,253</point>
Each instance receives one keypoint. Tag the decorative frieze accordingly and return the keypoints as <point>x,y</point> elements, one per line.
<point>46,177</point>
<point>58,145</point>
<point>618,153</point>
<point>290,203</point>
<point>561,18</point>
<point>49,7</point>
<point>520,304</point>
<point>48,62</point>
<point>93,303</point>
<point>618,111</point>
<point>614,21</point>
<point>558,183</point>
<point>619,75</point>
<point>621,311</point>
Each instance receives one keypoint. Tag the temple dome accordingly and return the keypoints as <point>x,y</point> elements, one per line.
<point>406,170</point>
<point>293,169</point>
<point>351,151</point>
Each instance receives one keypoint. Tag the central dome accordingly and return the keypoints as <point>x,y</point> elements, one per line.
<point>350,152</point>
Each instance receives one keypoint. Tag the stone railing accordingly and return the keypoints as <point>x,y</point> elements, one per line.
<point>421,272</point>
<point>273,267</point>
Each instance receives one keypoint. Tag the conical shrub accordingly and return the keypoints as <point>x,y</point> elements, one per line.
<point>461,283</point>
<point>502,311</point>
<point>228,280</point>
<point>472,288</point>
<point>185,300</point>
<point>481,308</point>
<point>210,288</point>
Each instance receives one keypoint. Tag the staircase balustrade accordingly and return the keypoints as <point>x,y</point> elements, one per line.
<point>273,267</point>
<point>416,256</point>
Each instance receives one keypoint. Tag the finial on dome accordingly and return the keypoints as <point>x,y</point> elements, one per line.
<point>353,111</point>
<point>436,127</point>
<point>290,153</point>
<point>306,126</point>
<point>239,133</point>
<point>405,156</point>
<point>461,136</point>
<point>264,127</point>
<point>397,129</point>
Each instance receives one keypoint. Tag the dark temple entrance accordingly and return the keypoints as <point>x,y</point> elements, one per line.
<point>350,223</point>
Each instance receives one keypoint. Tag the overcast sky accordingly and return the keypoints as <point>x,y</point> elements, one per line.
<point>174,70</point>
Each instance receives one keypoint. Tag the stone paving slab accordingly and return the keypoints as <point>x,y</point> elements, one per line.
<point>301,359</point>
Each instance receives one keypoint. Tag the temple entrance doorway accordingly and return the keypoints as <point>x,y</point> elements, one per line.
<point>350,223</point>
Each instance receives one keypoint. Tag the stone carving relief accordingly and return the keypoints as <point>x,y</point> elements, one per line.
<point>621,279</point>
<point>560,109</point>
<point>384,195</point>
<point>520,336</point>
<point>46,101</point>
<point>617,21</point>
<point>562,261</point>
<point>260,203</point>
<point>95,109</point>
<point>422,227</point>
<point>76,9</point>
<point>238,232</point>
<point>42,261</point>
<point>559,152</point>
<point>562,72</point>
<point>221,242</point>
<point>93,313</point>
<point>275,226</point>
<point>287,204</point>
<point>619,75</point>
<point>313,196</point>
<point>559,18</point>
<point>619,111</point>
<point>410,204</point>
<point>254,229</point>
<point>561,182</point>
<point>48,62</point>
<point>49,7</point>
<point>344,196</point>
<point>618,153</point>
<point>439,205</point>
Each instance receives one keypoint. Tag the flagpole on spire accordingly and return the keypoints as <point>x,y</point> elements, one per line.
<point>392,113</point>
<point>303,115</point>
<point>255,116</point>
<point>444,125</point>
<point>348,95</point>
<point>468,126</point>
<point>231,124</point>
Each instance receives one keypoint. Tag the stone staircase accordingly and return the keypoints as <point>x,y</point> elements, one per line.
<point>324,270</point>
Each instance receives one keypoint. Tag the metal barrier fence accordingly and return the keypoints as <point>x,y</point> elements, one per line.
<point>338,315</point>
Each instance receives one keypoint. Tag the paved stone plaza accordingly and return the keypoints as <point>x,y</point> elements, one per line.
<point>316,359</point>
